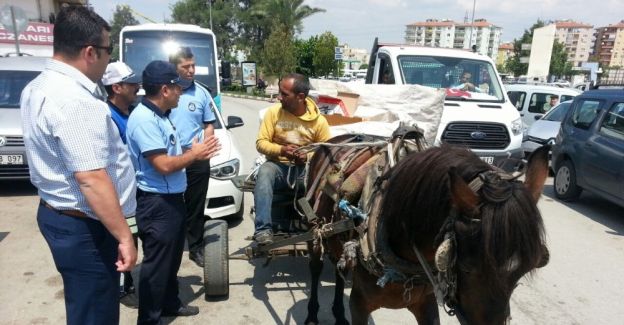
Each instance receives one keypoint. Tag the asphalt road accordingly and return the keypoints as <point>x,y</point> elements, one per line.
<point>582,284</point>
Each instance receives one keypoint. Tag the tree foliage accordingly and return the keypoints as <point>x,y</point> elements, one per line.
<point>278,55</point>
<point>197,12</point>
<point>304,52</point>
<point>122,17</point>
<point>513,63</point>
<point>324,62</point>
<point>559,64</point>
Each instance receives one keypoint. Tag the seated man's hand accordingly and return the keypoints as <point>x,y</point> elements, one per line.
<point>288,151</point>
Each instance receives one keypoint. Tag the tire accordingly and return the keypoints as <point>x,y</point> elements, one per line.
<point>566,188</point>
<point>216,261</point>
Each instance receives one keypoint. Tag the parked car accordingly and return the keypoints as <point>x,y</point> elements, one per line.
<point>532,101</point>
<point>544,131</point>
<point>223,198</point>
<point>15,73</point>
<point>589,149</point>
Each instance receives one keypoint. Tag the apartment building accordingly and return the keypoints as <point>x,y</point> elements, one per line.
<point>450,34</point>
<point>353,58</point>
<point>577,38</point>
<point>609,45</point>
<point>505,50</point>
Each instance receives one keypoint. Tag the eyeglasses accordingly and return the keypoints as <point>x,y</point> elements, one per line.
<point>109,49</point>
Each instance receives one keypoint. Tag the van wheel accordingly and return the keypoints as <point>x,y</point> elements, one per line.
<point>566,188</point>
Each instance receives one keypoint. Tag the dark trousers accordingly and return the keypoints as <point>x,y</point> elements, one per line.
<point>160,219</point>
<point>85,253</point>
<point>197,177</point>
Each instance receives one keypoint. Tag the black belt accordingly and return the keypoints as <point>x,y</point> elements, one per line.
<point>71,213</point>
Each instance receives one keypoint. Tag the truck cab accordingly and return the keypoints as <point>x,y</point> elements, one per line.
<point>477,112</point>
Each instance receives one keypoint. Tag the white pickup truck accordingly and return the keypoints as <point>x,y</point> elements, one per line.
<point>477,112</point>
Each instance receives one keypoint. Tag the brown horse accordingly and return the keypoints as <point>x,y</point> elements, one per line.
<point>480,225</point>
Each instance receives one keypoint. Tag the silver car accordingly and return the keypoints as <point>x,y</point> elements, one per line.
<point>544,131</point>
<point>15,74</point>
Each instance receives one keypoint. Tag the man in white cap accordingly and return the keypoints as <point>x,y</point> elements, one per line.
<point>122,86</point>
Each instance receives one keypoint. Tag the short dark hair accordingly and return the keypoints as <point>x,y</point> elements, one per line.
<point>151,90</point>
<point>109,90</point>
<point>182,53</point>
<point>301,83</point>
<point>77,27</point>
<point>554,96</point>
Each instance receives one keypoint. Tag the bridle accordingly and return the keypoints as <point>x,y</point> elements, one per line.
<point>445,281</point>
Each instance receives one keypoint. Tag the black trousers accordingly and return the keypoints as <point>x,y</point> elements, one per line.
<point>160,219</point>
<point>197,177</point>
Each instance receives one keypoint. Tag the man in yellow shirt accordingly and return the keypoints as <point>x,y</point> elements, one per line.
<point>296,121</point>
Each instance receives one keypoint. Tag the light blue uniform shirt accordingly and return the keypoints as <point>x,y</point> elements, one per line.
<point>151,132</point>
<point>68,130</point>
<point>195,108</point>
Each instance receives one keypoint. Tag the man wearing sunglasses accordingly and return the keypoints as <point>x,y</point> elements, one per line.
<point>81,169</point>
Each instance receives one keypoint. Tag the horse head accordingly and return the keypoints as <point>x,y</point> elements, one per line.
<point>496,238</point>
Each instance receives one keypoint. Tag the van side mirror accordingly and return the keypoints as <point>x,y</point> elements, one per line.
<point>226,68</point>
<point>234,122</point>
<point>538,116</point>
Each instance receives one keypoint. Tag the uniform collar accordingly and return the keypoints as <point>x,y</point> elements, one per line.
<point>118,110</point>
<point>147,103</point>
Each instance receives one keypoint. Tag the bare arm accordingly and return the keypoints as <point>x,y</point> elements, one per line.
<point>208,130</point>
<point>165,164</point>
<point>101,196</point>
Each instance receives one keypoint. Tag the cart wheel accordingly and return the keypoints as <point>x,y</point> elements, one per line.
<point>216,268</point>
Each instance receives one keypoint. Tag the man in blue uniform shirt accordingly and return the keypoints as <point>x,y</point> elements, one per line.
<point>158,158</point>
<point>193,118</point>
<point>122,86</point>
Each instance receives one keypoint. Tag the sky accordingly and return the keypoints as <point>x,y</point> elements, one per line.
<point>358,22</point>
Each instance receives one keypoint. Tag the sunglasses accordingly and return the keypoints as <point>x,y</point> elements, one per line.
<point>109,49</point>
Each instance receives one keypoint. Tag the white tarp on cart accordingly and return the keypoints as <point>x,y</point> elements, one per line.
<point>383,107</point>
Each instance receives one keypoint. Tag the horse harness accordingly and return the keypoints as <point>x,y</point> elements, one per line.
<point>371,247</point>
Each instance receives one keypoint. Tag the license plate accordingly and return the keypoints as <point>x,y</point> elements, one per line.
<point>489,160</point>
<point>11,160</point>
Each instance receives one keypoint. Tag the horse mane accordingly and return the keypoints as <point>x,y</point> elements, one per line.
<point>418,201</point>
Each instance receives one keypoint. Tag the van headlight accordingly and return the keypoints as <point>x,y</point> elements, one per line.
<point>225,170</point>
<point>516,126</point>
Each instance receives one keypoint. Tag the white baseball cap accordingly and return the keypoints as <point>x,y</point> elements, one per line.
<point>117,72</point>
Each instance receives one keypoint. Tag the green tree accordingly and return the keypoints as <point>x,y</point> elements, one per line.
<point>513,62</point>
<point>121,17</point>
<point>288,13</point>
<point>324,62</point>
<point>559,64</point>
<point>196,12</point>
<point>364,66</point>
<point>304,52</point>
<point>278,55</point>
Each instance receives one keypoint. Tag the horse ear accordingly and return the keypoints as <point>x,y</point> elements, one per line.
<point>537,172</point>
<point>462,196</point>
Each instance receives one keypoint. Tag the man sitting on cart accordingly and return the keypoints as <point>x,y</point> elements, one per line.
<point>296,121</point>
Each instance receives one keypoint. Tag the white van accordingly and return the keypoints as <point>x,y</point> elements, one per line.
<point>477,112</point>
<point>533,101</point>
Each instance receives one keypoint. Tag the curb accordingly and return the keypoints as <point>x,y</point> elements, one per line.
<point>265,99</point>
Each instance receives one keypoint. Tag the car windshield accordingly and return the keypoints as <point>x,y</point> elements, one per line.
<point>463,79</point>
<point>11,85</point>
<point>558,112</point>
<point>142,47</point>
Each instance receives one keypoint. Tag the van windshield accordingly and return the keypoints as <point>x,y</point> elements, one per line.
<point>142,47</point>
<point>11,85</point>
<point>463,79</point>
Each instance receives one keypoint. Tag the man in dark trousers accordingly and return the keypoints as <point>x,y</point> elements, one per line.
<point>193,118</point>
<point>81,169</point>
<point>157,155</point>
<point>122,86</point>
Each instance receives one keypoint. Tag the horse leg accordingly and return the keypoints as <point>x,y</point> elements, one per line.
<point>426,310</point>
<point>338,308</point>
<point>360,309</point>
<point>316,266</point>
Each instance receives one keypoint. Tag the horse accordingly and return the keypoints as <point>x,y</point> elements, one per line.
<point>450,229</point>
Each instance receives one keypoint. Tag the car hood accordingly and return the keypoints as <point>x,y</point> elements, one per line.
<point>471,111</point>
<point>544,129</point>
<point>10,121</point>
